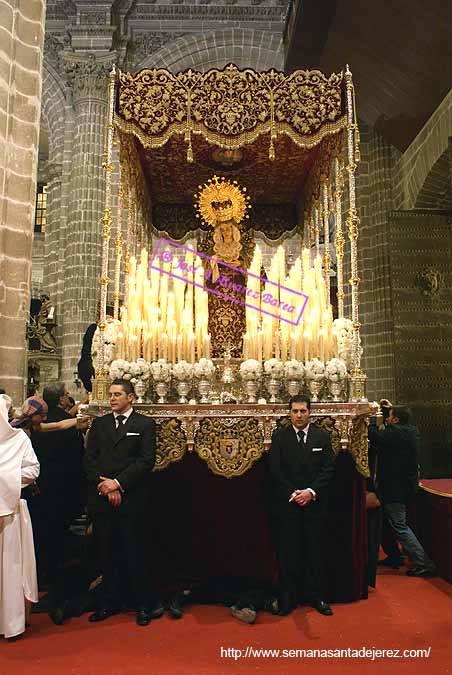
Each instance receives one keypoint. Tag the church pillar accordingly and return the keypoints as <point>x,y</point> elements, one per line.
<point>54,240</point>
<point>22,37</point>
<point>87,78</point>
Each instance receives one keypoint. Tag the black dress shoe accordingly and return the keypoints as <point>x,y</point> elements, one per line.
<point>285,610</point>
<point>174,608</point>
<point>102,614</point>
<point>157,611</point>
<point>286,604</point>
<point>322,607</point>
<point>143,617</point>
<point>58,616</point>
<point>425,572</point>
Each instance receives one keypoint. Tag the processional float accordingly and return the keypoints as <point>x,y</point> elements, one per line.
<point>192,305</point>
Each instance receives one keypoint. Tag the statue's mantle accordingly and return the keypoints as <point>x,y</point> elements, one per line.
<point>230,438</point>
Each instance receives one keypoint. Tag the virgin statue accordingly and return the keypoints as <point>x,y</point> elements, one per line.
<point>223,205</point>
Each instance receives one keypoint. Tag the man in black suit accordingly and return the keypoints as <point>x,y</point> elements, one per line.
<point>59,497</point>
<point>397,481</point>
<point>301,464</point>
<point>119,457</point>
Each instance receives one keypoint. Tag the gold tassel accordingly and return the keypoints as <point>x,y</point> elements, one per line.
<point>271,151</point>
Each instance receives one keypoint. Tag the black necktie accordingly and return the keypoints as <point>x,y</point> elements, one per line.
<point>120,419</point>
<point>300,435</point>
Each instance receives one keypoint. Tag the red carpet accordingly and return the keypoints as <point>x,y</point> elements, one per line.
<point>403,613</point>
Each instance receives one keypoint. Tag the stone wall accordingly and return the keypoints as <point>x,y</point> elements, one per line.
<point>21,40</point>
<point>421,299</point>
<point>374,190</point>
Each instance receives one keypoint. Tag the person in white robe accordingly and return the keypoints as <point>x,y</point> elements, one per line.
<point>19,467</point>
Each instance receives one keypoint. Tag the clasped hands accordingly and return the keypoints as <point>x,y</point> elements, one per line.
<point>109,488</point>
<point>301,497</point>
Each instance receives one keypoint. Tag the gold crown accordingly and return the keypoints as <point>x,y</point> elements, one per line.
<point>219,200</point>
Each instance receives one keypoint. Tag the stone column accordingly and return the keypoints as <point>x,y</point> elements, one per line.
<point>21,38</point>
<point>53,242</point>
<point>87,78</point>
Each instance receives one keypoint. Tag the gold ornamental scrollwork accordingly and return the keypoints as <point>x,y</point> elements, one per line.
<point>230,107</point>
<point>229,446</point>
<point>358,446</point>
<point>171,443</point>
<point>190,427</point>
<point>329,424</point>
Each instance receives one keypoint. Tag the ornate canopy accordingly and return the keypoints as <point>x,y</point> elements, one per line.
<point>270,131</point>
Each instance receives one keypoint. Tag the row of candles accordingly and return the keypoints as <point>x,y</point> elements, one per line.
<point>164,316</point>
<point>274,330</point>
<point>167,317</point>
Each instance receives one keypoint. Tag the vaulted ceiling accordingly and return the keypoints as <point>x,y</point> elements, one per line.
<point>399,51</point>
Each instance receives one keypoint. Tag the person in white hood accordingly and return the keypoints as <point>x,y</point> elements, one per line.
<point>19,467</point>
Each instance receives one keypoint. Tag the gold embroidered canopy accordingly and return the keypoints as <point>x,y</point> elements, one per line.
<point>230,108</point>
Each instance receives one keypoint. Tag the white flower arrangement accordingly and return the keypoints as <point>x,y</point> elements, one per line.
<point>204,369</point>
<point>293,370</point>
<point>314,370</point>
<point>335,370</point>
<point>274,368</point>
<point>118,369</point>
<point>183,371</point>
<point>110,336</point>
<point>250,369</point>
<point>130,370</point>
<point>141,369</point>
<point>161,370</point>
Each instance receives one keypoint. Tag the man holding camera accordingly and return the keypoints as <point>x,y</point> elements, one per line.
<point>397,480</point>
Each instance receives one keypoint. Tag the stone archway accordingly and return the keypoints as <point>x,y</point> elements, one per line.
<point>423,154</point>
<point>53,111</point>
<point>436,190</point>
<point>246,48</point>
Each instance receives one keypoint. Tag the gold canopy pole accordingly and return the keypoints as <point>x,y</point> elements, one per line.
<point>316,229</point>
<point>101,379</point>
<point>306,230</point>
<point>339,238</point>
<point>128,238</point>
<point>326,242</point>
<point>358,379</point>
<point>118,251</point>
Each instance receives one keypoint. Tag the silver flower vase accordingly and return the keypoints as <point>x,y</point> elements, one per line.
<point>140,390</point>
<point>183,388</point>
<point>161,389</point>
<point>315,387</point>
<point>251,390</point>
<point>293,387</point>
<point>273,387</point>
<point>336,391</point>
<point>204,390</point>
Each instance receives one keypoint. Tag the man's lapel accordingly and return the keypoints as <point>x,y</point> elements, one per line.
<point>120,433</point>
<point>110,427</point>
<point>294,439</point>
<point>310,440</point>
